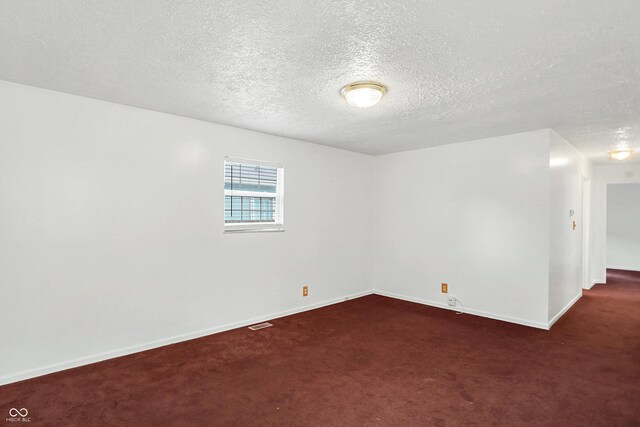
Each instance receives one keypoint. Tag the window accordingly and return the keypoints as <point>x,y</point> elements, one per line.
<point>253,195</point>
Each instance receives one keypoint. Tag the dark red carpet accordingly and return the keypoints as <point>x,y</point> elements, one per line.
<point>367,362</point>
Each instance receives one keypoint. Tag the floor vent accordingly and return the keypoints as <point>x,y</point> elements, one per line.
<point>260,326</point>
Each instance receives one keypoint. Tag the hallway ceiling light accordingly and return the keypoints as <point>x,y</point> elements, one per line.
<point>363,94</point>
<point>620,154</point>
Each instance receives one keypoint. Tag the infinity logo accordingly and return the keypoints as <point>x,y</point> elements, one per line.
<point>22,412</point>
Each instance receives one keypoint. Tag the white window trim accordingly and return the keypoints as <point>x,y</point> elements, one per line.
<point>258,227</point>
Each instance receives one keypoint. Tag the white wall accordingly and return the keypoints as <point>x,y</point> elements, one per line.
<point>568,166</point>
<point>623,226</point>
<point>603,175</point>
<point>586,226</point>
<point>111,230</point>
<point>475,215</point>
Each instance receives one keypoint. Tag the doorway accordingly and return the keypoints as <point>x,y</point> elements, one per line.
<point>623,227</point>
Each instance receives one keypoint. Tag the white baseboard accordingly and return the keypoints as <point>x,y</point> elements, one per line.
<point>564,309</point>
<point>595,282</point>
<point>524,322</point>
<point>623,268</point>
<point>74,363</point>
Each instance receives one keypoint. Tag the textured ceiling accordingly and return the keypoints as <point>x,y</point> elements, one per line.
<point>456,70</point>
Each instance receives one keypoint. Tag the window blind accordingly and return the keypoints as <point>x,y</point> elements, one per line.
<point>253,195</point>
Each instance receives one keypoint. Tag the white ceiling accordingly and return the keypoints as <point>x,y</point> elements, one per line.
<point>456,70</point>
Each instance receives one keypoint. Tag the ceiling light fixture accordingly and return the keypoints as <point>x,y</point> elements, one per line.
<point>620,154</point>
<point>363,94</point>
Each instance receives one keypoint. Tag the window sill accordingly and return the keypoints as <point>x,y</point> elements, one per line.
<point>249,229</point>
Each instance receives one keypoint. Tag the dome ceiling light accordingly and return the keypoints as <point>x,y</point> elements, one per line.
<point>363,94</point>
<point>620,154</point>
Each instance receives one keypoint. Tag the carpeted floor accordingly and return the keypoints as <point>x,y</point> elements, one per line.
<point>367,362</point>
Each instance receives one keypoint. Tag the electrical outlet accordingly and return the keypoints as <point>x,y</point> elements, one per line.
<point>305,291</point>
<point>451,301</point>
<point>444,288</point>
